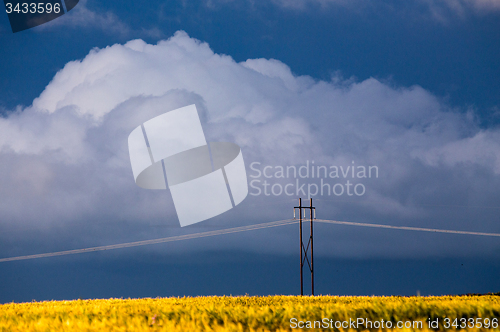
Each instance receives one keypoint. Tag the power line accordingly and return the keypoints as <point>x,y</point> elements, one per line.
<point>156,241</point>
<point>236,230</point>
<point>414,205</point>
<point>406,228</point>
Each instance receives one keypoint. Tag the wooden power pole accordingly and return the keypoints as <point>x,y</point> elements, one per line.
<point>305,254</point>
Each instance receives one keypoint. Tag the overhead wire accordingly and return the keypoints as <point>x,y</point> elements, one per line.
<point>156,241</point>
<point>406,228</point>
<point>237,230</point>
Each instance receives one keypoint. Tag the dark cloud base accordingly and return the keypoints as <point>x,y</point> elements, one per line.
<point>100,275</point>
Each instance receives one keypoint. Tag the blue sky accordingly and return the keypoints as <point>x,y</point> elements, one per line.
<point>453,56</point>
<point>411,87</point>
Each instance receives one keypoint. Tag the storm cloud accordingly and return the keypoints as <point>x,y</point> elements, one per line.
<point>64,160</point>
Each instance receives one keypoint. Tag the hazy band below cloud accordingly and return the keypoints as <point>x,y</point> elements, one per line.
<point>236,230</point>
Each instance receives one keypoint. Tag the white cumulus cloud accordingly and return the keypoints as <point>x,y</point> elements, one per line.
<point>64,159</point>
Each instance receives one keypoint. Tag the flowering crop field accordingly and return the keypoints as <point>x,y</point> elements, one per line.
<point>248,313</point>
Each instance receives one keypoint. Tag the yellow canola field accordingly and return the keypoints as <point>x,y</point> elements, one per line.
<point>246,313</point>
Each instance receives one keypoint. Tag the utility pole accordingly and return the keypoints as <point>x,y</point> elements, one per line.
<point>304,251</point>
